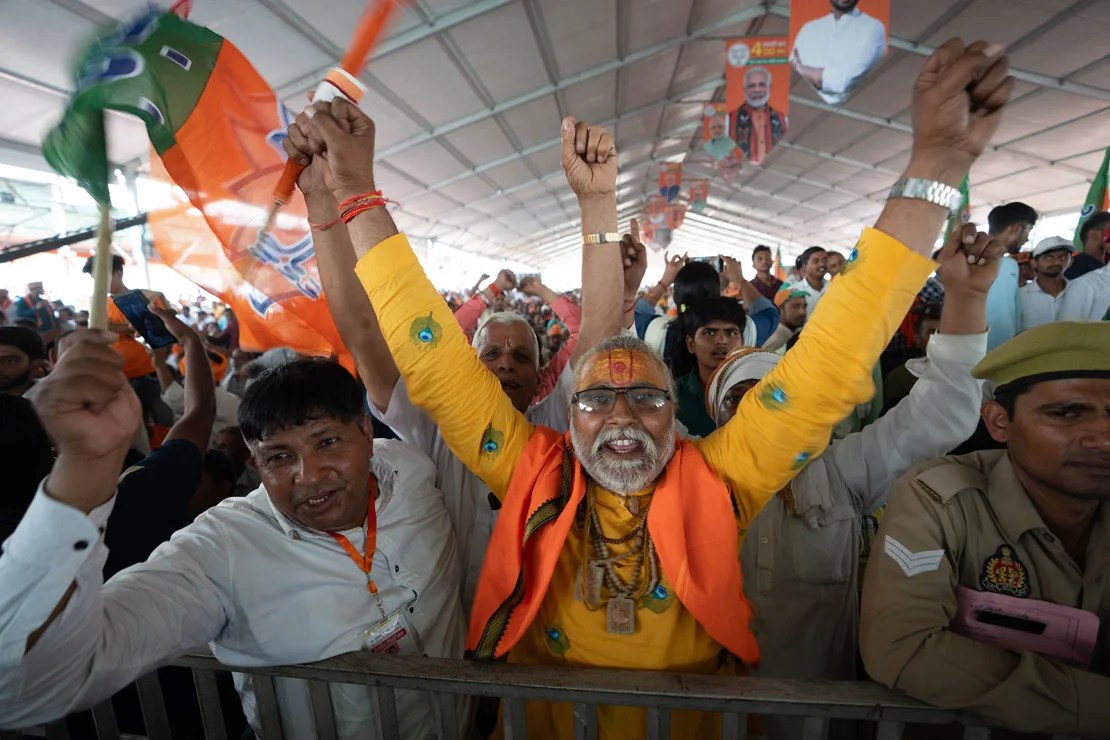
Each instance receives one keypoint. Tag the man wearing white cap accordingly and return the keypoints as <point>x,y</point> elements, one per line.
<point>800,556</point>
<point>1040,298</point>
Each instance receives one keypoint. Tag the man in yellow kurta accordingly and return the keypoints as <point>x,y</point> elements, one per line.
<point>617,544</point>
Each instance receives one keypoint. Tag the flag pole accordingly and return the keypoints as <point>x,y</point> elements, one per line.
<point>102,268</point>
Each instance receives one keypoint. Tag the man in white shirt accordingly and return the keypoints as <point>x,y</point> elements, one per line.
<point>263,580</point>
<point>1040,297</point>
<point>812,266</point>
<point>1087,297</point>
<point>835,51</point>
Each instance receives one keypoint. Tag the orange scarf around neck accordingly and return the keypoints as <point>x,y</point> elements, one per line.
<point>692,522</point>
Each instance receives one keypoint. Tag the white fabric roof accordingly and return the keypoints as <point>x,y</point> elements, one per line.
<point>468,97</point>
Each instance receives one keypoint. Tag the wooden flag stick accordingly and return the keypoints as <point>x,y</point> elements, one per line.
<point>102,269</point>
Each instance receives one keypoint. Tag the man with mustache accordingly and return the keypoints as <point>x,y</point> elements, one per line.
<point>986,588</point>
<point>617,545</point>
<point>758,126</point>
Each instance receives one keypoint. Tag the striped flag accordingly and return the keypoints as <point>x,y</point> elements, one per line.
<point>1096,198</point>
<point>779,273</point>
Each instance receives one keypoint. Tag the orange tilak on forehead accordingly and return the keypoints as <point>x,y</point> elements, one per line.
<point>621,368</point>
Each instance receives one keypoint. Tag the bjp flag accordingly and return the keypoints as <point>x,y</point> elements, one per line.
<point>218,128</point>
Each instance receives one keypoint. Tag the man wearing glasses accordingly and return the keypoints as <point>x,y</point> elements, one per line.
<point>617,544</point>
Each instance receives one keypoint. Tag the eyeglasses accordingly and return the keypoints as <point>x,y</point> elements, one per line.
<point>641,399</point>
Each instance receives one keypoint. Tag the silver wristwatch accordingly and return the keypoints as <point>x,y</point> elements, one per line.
<point>935,192</point>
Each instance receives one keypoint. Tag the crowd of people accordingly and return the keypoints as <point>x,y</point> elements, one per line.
<point>895,464</point>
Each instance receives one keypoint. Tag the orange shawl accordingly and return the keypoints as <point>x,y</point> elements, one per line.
<point>692,522</point>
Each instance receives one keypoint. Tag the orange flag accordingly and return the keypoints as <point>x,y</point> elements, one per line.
<point>217,127</point>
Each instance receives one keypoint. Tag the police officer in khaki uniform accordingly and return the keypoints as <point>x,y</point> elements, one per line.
<point>977,554</point>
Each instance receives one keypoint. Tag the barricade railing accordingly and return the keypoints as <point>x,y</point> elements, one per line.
<point>734,698</point>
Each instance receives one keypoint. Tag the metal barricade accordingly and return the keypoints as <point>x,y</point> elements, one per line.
<point>734,698</point>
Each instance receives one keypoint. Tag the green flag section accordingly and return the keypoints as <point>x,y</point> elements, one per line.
<point>132,68</point>
<point>1096,198</point>
<point>963,216</point>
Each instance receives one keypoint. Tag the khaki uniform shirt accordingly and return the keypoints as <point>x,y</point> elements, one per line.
<point>968,521</point>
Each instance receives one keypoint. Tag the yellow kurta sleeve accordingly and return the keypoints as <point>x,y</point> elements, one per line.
<point>785,421</point>
<point>441,371</point>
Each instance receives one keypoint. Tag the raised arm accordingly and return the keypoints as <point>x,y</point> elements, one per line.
<point>786,420</point>
<point>468,313</point>
<point>428,348</point>
<point>195,424</point>
<point>350,308</point>
<point>942,409</point>
<point>590,163</point>
<point>66,642</point>
<point>570,314</point>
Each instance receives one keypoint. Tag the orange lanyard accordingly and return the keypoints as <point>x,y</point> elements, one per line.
<point>364,562</point>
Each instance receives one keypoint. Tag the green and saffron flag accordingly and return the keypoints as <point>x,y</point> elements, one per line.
<point>216,129</point>
<point>1097,199</point>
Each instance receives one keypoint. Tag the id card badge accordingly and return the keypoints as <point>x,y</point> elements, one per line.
<point>392,636</point>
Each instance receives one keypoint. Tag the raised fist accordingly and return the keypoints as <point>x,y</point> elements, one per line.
<point>589,159</point>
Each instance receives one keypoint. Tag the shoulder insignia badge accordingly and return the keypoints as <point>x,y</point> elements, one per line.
<point>1003,573</point>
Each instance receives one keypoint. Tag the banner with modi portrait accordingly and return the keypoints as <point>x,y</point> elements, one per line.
<point>757,94</point>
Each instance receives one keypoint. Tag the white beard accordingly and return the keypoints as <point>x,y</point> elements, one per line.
<point>621,476</point>
<point>759,102</point>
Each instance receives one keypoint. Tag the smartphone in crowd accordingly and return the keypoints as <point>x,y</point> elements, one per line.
<point>133,305</point>
<point>717,262</point>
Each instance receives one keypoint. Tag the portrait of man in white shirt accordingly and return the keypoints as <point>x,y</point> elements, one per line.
<point>835,51</point>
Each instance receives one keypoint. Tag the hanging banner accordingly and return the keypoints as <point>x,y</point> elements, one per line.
<point>716,141</point>
<point>698,195</point>
<point>670,180</point>
<point>657,211</point>
<point>676,214</point>
<point>835,43</point>
<point>757,91</point>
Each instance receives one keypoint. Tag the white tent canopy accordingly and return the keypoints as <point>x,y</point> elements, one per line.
<point>468,97</point>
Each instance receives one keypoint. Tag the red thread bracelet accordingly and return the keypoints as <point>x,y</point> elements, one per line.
<point>324,226</point>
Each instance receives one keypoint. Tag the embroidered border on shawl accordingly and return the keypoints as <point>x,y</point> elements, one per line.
<point>546,513</point>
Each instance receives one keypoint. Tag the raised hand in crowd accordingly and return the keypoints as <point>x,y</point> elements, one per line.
<point>531,286</point>
<point>506,280</point>
<point>90,411</point>
<point>957,103</point>
<point>195,424</point>
<point>634,262</point>
<point>671,268</point>
<point>589,159</point>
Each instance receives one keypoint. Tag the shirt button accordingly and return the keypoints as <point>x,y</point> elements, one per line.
<point>1048,537</point>
<point>412,610</point>
<point>396,569</point>
<point>80,544</point>
<point>763,540</point>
